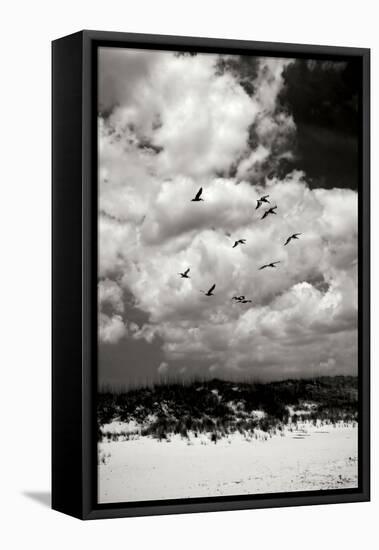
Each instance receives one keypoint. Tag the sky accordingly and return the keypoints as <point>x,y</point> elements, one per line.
<point>240,128</point>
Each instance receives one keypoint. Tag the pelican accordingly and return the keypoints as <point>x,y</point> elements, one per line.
<point>265,198</point>
<point>210,291</point>
<point>198,195</point>
<point>185,274</point>
<point>269,211</point>
<point>272,264</point>
<point>240,241</point>
<point>294,236</point>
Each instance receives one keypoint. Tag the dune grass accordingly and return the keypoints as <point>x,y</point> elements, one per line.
<point>220,407</point>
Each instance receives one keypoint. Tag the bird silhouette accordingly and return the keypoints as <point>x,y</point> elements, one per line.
<point>265,198</point>
<point>241,299</point>
<point>185,274</point>
<point>210,291</point>
<point>294,236</point>
<point>269,211</point>
<point>198,195</point>
<point>272,264</point>
<point>240,241</point>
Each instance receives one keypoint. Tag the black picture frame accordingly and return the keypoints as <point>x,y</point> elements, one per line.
<point>74,271</point>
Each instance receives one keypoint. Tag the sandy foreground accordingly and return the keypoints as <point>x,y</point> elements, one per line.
<point>309,458</point>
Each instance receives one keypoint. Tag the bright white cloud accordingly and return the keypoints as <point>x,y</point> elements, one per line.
<point>201,119</point>
<point>303,314</point>
<point>111,328</point>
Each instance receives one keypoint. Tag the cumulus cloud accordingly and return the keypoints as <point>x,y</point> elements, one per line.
<point>111,328</point>
<point>168,125</point>
<point>146,332</point>
<point>177,103</point>
<point>111,293</point>
<point>163,368</point>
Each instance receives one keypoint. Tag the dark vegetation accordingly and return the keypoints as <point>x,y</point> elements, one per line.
<point>219,407</point>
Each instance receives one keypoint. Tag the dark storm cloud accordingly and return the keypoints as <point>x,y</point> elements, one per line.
<point>323,99</point>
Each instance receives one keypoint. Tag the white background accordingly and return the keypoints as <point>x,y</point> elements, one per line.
<point>27,29</point>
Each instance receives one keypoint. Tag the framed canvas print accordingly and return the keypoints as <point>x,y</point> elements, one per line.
<point>210,274</point>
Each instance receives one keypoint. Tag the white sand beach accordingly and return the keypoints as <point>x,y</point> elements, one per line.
<point>306,458</point>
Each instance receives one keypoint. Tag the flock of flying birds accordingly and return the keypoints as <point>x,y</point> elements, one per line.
<point>271,210</point>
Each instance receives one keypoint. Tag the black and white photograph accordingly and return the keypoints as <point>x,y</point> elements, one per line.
<point>189,224</point>
<point>227,281</point>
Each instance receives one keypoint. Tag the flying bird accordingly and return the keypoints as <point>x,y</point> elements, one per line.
<point>241,300</point>
<point>265,198</point>
<point>269,211</point>
<point>240,241</point>
<point>185,274</point>
<point>294,236</point>
<point>198,195</point>
<point>272,264</point>
<point>210,291</point>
